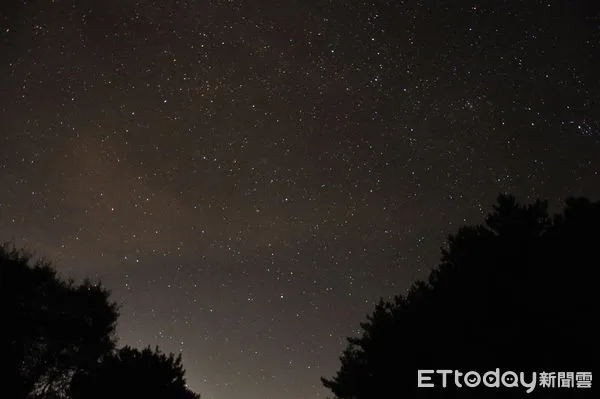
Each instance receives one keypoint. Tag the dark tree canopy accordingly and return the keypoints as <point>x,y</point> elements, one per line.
<point>51,327</point>
<point>131,373</point>
<point>517,293</point>
<point>58,340</point>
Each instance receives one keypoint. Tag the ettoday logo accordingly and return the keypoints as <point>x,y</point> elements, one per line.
<point>508,379</point>
<point>472,379</point>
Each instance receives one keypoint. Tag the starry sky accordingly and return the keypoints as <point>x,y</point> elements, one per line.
<point>250,177</point>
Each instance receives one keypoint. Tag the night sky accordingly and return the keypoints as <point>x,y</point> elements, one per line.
<point>250,177</point>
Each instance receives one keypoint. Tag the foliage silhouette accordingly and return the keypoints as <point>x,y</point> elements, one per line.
<point>515,294</point>
<point>54,327</point>
<point>131,373</point>
<point>58,340</point>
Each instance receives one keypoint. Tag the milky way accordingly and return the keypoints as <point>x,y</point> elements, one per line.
<point>249,178</point>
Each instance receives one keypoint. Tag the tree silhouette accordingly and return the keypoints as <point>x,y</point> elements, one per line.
<point>515,294</point>
<point>51,327</point>
<point>58,340</point>
<point>131,373</point>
